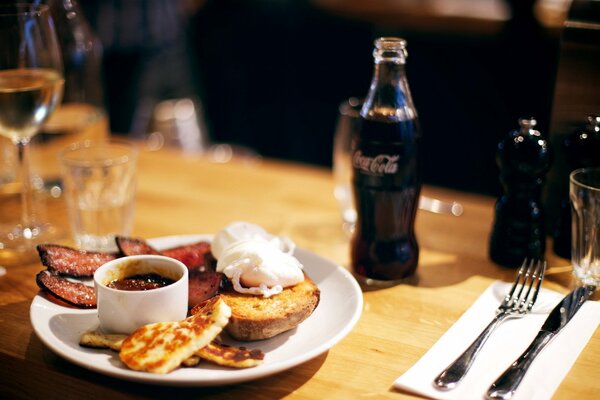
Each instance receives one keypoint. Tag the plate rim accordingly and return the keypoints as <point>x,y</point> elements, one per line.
<point>235,375</point>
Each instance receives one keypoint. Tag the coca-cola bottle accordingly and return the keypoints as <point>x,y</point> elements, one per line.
<point>386,178</point>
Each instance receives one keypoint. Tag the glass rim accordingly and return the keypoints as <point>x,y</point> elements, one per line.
<point>22,9</point>
<point>351,107</point>
<point>120,159</point>
<point>574,180</point>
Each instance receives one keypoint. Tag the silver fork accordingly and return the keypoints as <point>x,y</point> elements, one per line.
<point>517,302</point>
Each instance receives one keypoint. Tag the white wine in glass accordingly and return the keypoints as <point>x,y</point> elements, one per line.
<point>27,97</point>
<point>31,85</point>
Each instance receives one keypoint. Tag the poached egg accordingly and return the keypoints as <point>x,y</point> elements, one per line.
<point>238,231</point>
<point>255,261</point>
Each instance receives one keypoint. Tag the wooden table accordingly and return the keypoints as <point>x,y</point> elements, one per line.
<point>181,194</point>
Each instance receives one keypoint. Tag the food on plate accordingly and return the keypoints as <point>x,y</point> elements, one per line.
<point>65,262</point>
<point>247,282</point>
<point>255,261</point>
<point>239,231</point>
<point>195,256</point>
<point>74,293</point>
<point>129,246</point>
<point>100,340</point>
<point>266,288</point>
<point>140,282</point>
<point>228,356</point>
<point>163,346</point>
<point>256,317</point>
<point>202,285</point>
<point>257,267</point>
<point>72,262</point>
<point>215,352</point>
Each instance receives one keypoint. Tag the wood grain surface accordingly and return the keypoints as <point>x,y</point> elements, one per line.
<point>182,194</point>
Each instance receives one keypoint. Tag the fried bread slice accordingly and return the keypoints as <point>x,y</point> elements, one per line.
<point>256,317</point>
<point>161,347</point>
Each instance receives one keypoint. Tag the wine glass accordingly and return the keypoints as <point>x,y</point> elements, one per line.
<point>31,85</point>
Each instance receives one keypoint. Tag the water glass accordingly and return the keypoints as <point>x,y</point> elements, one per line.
<point>99,182</point>
<point>347,124</point>
<point>585,207</point>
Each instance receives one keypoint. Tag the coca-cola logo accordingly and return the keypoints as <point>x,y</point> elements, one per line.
<point>379,165</point>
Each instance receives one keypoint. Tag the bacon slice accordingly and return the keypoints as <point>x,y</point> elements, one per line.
<point>68,261</point>
<point>76,294</point>
<point>193,255</point>
<point>203,284</point>
<point>134,246</point>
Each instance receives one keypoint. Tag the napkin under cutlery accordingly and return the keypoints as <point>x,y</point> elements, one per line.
<point>502,348</point>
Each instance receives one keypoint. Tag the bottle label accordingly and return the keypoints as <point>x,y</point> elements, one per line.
<point>379,165</point>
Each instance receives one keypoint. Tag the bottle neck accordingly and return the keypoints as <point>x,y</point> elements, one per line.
<point>389,96</point>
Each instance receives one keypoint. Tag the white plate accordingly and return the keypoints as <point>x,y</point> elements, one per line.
<point>338,311</point>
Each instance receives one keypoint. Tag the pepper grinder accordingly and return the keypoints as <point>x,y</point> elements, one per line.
<point>524,157</point>
<point>582,150</point>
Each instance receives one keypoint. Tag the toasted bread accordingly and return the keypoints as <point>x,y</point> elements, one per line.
<point>256,317</point>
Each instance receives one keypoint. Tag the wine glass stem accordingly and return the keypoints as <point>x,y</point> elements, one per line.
<point>26,193</point>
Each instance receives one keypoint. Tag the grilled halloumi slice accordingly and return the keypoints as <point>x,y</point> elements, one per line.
<point>228,356</point>
<point>98,340</point>
<point>161,347</point>
<point>215,352</point>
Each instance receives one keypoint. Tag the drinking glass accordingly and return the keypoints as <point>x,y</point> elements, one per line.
<point>347,124</point>
<point>585,206</point>
<point>99,185</point>
<point>31,85</point>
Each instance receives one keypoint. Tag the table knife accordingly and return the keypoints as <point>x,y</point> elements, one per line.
<point>506,385</point>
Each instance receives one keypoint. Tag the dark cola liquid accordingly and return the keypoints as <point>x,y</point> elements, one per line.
<point>386,186</point>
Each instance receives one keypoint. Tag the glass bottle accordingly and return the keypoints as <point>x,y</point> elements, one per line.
<point>524,158</point>
<point>81,116</point>
<point>386,175</point>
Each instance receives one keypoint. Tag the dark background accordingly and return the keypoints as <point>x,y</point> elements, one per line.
<point>271,74</point>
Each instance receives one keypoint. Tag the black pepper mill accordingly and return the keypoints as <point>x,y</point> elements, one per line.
<point>524,158</point>
<point>582,149</point>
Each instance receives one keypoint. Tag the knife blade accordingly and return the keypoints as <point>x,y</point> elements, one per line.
<point>506,385</point>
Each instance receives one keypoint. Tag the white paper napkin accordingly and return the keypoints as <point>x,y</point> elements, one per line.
<point>505,344</point>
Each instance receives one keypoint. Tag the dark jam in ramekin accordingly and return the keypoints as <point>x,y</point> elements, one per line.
<point>141,282</point>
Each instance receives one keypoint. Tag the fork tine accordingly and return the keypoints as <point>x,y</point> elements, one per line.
<point>509,296</point>
<point>542,267</point>
<point>518,298</point>
<point>531,272</point>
